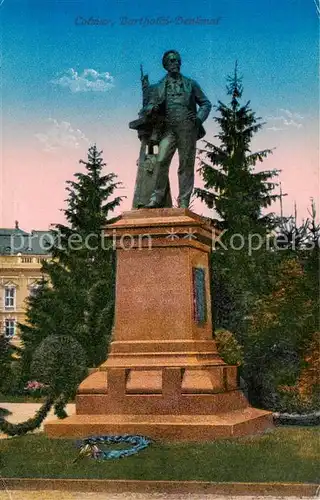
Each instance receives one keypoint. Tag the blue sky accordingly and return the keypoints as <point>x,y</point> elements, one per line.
<point>275,43</point>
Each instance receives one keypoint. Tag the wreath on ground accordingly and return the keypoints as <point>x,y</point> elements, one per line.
<point>89,447</point>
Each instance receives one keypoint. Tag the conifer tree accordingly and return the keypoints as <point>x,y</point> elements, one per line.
<point>79,289</point>
<point>238,195</point>
<point>231,186</point>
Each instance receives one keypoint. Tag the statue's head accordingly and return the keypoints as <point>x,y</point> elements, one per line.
<point>171,61</point>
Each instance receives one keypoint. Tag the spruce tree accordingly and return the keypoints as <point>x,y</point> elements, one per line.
<point>79,289</point>
<point>237,193</point>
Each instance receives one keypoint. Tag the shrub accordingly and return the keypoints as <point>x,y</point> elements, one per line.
<point>12,383</point>
<point>309,380</point>
<point>304,396</point>
<point>290,400</point>
<point>5,361</point>
<point>280,332</point>
<point>228,347</point>
<point>60,363</point>
<point>283,387</point>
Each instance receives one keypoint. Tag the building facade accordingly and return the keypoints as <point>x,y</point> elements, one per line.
<point>21,256</point>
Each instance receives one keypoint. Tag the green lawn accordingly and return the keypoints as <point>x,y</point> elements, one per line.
<point>5,398</point>
<point>288,454</point>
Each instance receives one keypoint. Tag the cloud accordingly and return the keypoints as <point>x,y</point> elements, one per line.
<point>274,128</point>
<point>287,119</point>
<point>293,123</point>
<point>89,80</point>
<point>291,115</point>
<point>61,135</point>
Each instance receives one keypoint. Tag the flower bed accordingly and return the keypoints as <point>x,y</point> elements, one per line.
<point>36,389</point>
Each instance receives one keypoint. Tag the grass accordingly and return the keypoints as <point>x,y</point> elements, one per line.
<point>288,454</point>
<point>5,398</point>
<point>23,398</point>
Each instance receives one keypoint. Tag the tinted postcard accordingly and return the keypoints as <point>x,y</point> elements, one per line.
<point>159,248</point>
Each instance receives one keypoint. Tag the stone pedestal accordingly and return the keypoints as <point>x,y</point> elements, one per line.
<point>163,377</point>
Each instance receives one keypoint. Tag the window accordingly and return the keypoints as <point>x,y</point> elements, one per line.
<point>26,260</point>
<point>9,297</point>
<point>34,290</point>
<point>9,328</point>
<point>41,259</point>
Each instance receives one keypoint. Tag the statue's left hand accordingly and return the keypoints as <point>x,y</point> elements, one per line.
<point>193,117</point>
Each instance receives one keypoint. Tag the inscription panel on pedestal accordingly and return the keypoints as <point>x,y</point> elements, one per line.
<point>199,296</point>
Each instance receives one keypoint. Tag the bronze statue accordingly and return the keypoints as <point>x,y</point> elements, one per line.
<point>170,119</point>
<point>150,129</point>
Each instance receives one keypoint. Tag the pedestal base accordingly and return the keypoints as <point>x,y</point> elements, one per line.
<point>163,377</point>
<point>169,428</point>
<point>193,403</point>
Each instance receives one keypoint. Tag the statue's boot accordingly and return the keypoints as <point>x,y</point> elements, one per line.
<point>184,204</point>
<point>153,204</point>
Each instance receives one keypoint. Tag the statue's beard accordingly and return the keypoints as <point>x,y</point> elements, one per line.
<point>174,69</point>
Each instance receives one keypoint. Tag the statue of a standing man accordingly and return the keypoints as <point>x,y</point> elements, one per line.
<point>175,99</point>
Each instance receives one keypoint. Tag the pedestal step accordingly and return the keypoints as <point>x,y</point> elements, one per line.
<point>161,360</point>
<point>146,380</point>
<point>167,427</point>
